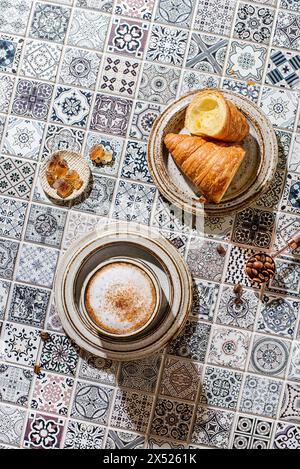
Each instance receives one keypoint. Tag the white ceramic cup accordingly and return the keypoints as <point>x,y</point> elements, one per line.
<point>151,276</point>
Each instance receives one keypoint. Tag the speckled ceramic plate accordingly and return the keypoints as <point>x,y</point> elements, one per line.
<point>252,179</point>
<point>76,162</point>
<point>141,243</point>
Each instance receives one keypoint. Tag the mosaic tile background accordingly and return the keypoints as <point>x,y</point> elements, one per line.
<point>232,379</point>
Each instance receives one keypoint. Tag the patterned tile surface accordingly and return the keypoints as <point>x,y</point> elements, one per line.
<point>74,73</point>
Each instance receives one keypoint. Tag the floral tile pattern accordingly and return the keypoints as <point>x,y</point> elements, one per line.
<point>171,419</point>
<point>81,435</point>
<point>8,254</point>
<point>287,437</point>
<point>245,89</point>
<point>254,227</point>
<point>15,384</point>
<point>98,369</point>
<point>92,402</point>
<point>52,393</point>
<point>4,292</point>
<point>74,73</point>
<point>45,225</point>
<point>43,431</point>
<point>192,342</point>
<point>133,202</point>
<point>6,89</point>
<point>32,99</point>
<point>135,162</point>
<point>16,177</point>
<point>212,427</point>
<point>62,138</point>
<point>287,33</point>
<point>203,251</point>
<point>281,106</point>
<point>269,356</point>
<point>167,45</point>
<point>290,410</point>
<point>254,23</point>
<point>11,48</point>
<point>229,348</point>
<point>53,30</point>
<point>214,16</point>
<point>60,355</point>
<point>14,16</point>
<point>261,396</point>
<point>278,316</point>
<point>11,424</point>
<point>23,138</point>
<point>246,61</point>
<point>37,265</point>
<point>41,60</point>
<point>143,119</point>
<point>80,67</point>
<point>124,440</point>
<point>240,313</point>
<point>120,75</point>
<point>12,217</point>
<point>28,305</point>
<point>205,296</point>
<point>133,9</point>
<point>158,84</point>
<point>169,12</point>
<point>111,115</point>
<point>221,388</point>
<point>88,29</point>
<point>128,37</point>
<point>71,106</point>
<point>20,344</point>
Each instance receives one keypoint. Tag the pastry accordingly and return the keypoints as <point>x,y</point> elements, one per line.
<point>211,115</point>
<point>210,165</point>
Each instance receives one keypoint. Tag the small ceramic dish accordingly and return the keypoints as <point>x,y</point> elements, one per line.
<point>252,179</point>
<point>150,275</point>
<point>139,243</point>
<point>76,162</point>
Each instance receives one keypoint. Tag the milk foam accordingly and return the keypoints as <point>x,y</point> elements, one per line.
<point>120,297</point>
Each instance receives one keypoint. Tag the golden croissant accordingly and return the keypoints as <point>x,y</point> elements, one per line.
<point>210,166</point>
<point>210,114</point>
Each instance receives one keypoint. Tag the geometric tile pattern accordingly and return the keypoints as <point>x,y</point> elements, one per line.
<point>74,73</point>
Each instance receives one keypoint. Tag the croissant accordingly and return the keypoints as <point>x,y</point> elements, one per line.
<point>210,114</point>
<point>210,166</point>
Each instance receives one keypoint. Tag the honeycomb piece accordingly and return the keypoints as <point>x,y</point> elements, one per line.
<point>71,175</point>
<point>98,154</point>
<point>63,188</point>
<point>77,184</point>
<point>50,178</point>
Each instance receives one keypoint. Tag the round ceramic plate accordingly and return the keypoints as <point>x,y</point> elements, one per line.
<point>140,243</point>
<point>252,179</point>
<point>76,162</point>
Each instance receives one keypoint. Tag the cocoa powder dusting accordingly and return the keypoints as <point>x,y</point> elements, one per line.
<point>126,302</point>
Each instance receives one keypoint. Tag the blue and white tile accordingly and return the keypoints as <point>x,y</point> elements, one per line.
<point>12,217</point>
<point>133,202</point>
<point>71,106</point>
<point>23,138</point>
<point>37,265</point>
